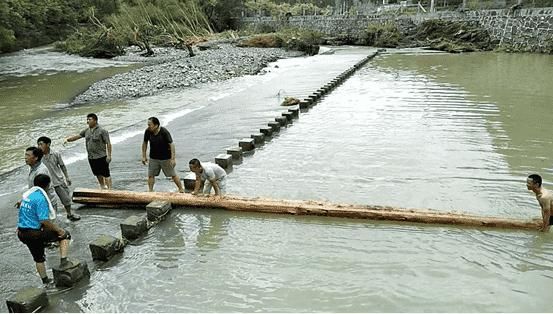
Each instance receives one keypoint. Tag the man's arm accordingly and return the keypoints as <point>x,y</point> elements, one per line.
<point>108,147</point>
<point>66,174</point>
<point>73,138</point>
<point>144,149</point>
<point>545,213</point>
<point>173,157</point>
<point>197,185</point>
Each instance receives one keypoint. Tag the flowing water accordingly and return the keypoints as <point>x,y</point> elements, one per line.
<point>411,129</point>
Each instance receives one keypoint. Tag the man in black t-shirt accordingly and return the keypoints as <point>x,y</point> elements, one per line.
<point>162,154</point>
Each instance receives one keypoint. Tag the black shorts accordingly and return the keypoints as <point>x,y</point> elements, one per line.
<point>36,241</point>
<point>551,220</point>
<point>100,167</point>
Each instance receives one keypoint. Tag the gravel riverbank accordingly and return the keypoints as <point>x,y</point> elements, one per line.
<point>172,68</point>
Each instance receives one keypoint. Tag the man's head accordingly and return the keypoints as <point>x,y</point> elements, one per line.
<point>153,124</point>
<point>42,180</point>
<point>33,155</point>
<point>195,166</point>
<point>533,182</point>
<point>91,120</point>
<point>43,143</point>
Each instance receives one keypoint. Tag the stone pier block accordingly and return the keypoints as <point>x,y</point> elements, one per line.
<point>224,160</point>
<point>268,131</point>
<point>275,126</point>
<point>304,104</point>
<point>235,152</point>
<point>295,112</point>
<point>157,209</point>
<point>133,227</point>
<point>258,138</point>
<point>282,121</point>
<point>105,247</point>
<point>247,144</point>
<point>189,181</point>
<point>27,300</point>
<point>313,98</point>
<point>71,273</point>
<point>289,116</point>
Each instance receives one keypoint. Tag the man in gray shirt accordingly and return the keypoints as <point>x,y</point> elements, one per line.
<point>212,175</point>
<point>53,161</point>
<point>98,147</point>
<point>33,157</point>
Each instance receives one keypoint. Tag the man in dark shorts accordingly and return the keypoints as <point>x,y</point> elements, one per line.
<point>544,197</point>
<point>98,147</point>
<point>35,230</point>
<point>162,154</point>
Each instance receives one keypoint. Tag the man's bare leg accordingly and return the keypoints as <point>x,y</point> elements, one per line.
<point>151,182</point>
<point>177,181</point>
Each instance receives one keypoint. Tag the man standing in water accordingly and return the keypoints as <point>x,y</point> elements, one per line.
<point>98,147</point>
<point>34,228</point>
<point>211,175</point>
<point>544,197</point>
<point>33,158</point>
<point>53,161</point>
<point>162,154</point>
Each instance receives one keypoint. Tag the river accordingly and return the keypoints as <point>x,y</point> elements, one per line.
<point>412,128</point>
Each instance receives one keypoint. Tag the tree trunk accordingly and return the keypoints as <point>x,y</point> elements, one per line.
<point>113,198</point>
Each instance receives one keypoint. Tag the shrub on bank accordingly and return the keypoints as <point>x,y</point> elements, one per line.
<point>292,39</point>
<point>385,35</point>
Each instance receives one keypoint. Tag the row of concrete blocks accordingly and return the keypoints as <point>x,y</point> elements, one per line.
<point>234,155</point>
<point>106,246</point>
<point>312,99</point>
<point>32,299</point>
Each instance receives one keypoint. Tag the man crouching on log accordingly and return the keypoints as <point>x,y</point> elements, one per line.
<point>36,230</point>
<point>211,175</point>
<point>544,197</point>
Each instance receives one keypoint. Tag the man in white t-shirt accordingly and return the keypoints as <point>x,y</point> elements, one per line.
<point>212,175</point>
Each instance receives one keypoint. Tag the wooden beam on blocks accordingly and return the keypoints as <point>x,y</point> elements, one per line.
<point>116,198</point>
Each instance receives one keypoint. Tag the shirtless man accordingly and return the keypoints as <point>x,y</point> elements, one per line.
<point>544,197</point>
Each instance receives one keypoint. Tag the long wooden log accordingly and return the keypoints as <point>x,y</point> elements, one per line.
<point>115,198</point>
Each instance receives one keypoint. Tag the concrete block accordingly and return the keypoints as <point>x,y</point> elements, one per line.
<point>71,273</point>
<point>275,126</point>
<point>268,131</point>
<point>282,121</point>
<point>189,181</point>
<point>27,300</point>
<point>247,144</point>
<point>313,98</point>
<point>289,116</point>
<point>133,227</point>
<point>235,152</point>
<point>304,104</point>
<point>105,247</point>
<point>258,138</point>
<point>157,209</point>
<point>295,112</point>
<point>224,160</point>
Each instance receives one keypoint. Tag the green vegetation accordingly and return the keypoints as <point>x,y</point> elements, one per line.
<point>453,36</point>
<point>382,35</point>
<point>293,39</point>
<point>142,23</point>
<point>29,23</point>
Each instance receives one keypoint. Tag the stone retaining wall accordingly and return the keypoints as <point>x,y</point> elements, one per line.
<point>523,29</point>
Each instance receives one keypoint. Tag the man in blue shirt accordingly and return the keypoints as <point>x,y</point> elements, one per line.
<point>35,229</point>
